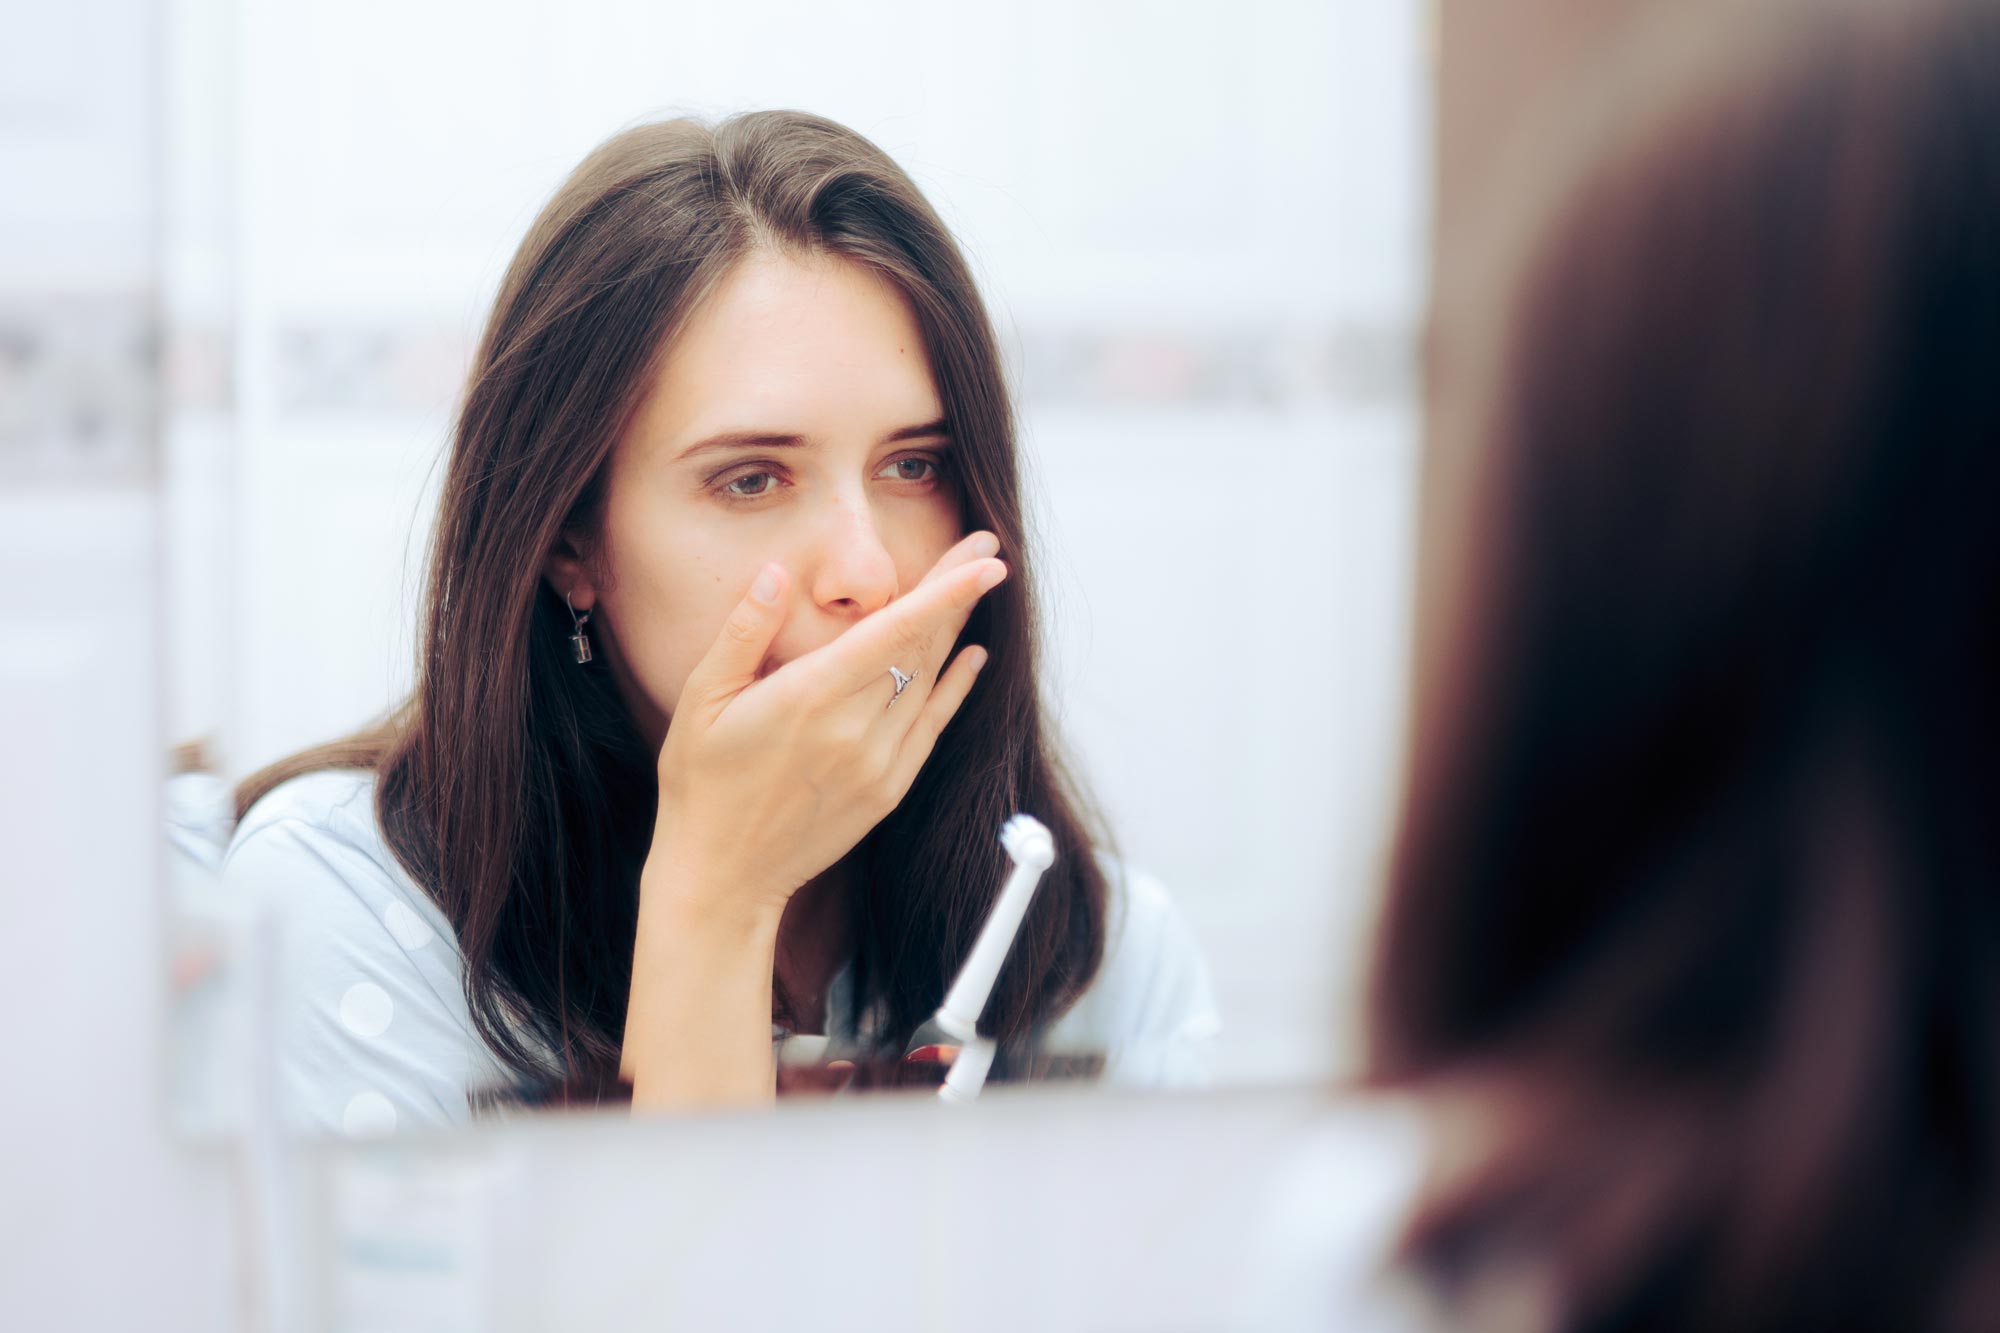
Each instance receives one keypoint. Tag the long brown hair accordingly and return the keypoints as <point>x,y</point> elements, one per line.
<point>514,786</point>
<point>1695,903</point>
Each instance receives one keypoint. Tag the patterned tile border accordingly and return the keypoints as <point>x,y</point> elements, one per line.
<point>79,390</point>
<point>403,369</point>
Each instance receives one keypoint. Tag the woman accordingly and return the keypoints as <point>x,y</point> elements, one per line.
<point>1693,936</point>
<point>689,751</point>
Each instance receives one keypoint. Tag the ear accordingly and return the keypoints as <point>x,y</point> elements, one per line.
<point>567,570</point>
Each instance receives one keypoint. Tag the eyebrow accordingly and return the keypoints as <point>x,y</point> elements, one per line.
<point>774,439</point>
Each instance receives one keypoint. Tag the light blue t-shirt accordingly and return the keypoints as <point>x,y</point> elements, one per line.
<point>371,1023</point>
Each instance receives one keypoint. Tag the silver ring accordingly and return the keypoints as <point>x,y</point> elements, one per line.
<point>902,683</point>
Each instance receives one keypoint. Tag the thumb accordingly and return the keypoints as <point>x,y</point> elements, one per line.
<point>731,663</point>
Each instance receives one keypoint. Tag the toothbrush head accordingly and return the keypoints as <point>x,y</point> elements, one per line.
<point>1028,841</point>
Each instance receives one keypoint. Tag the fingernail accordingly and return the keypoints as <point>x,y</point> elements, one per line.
<point>985,544</point>
<point>991,576</point>
<point>765,589</point>
<point>979,658</point>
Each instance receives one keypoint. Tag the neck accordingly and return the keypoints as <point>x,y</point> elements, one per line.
<point>812,944</point>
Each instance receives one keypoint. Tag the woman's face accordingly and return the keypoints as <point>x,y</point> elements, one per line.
<point>794,420</point>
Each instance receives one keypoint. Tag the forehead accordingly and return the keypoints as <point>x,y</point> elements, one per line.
<point>811,345</point>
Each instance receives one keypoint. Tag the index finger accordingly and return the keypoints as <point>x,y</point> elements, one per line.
<point>905,630</point>
<point>970,548</point>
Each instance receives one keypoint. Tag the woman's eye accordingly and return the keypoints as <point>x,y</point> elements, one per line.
<point>910,469</point>
<point>751,485</point>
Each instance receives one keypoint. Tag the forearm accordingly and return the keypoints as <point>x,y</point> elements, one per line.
<point>698,1024</point>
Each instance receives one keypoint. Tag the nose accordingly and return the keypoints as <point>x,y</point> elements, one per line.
<point>852,573</point>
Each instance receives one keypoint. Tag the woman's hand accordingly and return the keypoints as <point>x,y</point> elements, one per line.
<point>766,783</point>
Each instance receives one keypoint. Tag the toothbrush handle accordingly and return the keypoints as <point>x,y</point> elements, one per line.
<point>968,1072</point>
<point>967,999</point>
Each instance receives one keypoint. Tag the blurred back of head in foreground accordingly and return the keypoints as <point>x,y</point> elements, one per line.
<point>1695,906</point>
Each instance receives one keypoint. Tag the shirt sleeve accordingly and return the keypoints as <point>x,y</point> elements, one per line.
<point>371,1029</point>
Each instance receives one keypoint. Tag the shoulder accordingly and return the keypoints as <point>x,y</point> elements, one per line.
<point>1151,1007</point>
<point>313,852</point>
<point>1138,902</point>
<point>371,1021</point>
<point>1147,942</point>
<point>318,831</point>
<point>334,801</point>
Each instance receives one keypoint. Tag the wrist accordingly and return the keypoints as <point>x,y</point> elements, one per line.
<point>691,901</point>
<point>697,1023</point>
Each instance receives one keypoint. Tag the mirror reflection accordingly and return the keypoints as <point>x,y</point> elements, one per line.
<point>655,581</point>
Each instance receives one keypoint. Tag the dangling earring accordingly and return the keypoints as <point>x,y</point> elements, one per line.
<point>579,642</point>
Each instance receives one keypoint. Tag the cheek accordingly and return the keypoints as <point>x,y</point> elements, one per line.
<point>667,599</point>
<point>927,532</point>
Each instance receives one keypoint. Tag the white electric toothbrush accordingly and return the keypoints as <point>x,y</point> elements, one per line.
<point>956,1023</point>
